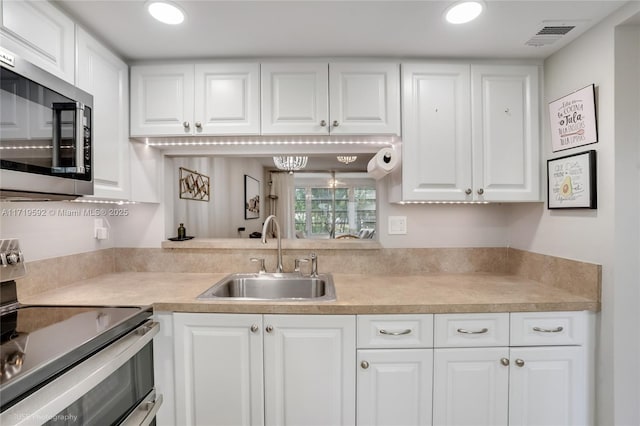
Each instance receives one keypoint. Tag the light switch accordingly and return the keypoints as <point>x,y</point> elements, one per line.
<point>397,225</point>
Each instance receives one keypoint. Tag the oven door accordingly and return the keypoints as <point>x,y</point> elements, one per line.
<point>113,386</point>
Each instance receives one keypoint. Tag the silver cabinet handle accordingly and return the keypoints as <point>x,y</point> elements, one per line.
<point>519,362</point>
<point>364,365</point>
<point>323,123</point>
<point>548,330</point>
<point>335,123</point>
<point>269,328</point>
<point>395,333</point>
<point>198,125</point>
<point>504,361</point>
<point>254,328</point>
<point>468,191</point>
<point>480,191</point>
<point>465,331</point>
<point>186,124</point>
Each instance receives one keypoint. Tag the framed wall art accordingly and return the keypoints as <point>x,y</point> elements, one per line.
<point>251,198</point>
<point>572,119</point>
<point>572,181</point>
<point>194,185</point>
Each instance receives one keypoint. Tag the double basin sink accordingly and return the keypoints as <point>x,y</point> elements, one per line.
<point>272,286</point>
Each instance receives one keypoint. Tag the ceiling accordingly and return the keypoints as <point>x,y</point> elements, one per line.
<point>333,28</point>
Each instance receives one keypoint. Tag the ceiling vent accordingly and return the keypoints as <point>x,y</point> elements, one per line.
<point>552,31</point>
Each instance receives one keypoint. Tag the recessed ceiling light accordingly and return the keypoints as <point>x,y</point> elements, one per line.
<point>463,12</point>
<point>165,12</point>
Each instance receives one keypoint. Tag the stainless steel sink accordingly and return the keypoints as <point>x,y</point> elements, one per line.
<point>276,286</point>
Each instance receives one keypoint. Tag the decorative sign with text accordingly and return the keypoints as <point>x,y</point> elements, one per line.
<point>572,181</point>
<point>573,120</point>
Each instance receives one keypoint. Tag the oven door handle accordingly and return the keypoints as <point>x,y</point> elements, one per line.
<point>58,394</point>
<point>145,412</point>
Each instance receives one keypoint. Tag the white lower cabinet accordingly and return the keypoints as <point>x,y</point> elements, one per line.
<point>518,369</point>
<point>395,369</point>
<point>549,384</point>
<point>236,369</point>
<point>471,386</point>
<point>394,386</point>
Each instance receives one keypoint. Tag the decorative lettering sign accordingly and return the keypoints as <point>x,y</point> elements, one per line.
<point>573,120</point>
<point>572,181</point>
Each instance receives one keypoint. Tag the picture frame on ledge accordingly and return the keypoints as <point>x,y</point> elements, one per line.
<point>571,181</point>
<point>251,198</point>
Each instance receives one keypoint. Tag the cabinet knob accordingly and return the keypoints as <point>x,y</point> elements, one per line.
<point>480,191</point>
<point>504,361</point>
<point>335,123</point>
<point>519,362</point>
<point>269,328</point>
<point>364,365</point>
<point>198,125</point>
<point>323,123</point>
<point>468,191</point>
<point>254,328</point>
<point>185,124</point>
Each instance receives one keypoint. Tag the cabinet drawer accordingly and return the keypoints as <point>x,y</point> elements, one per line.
<point>395,331</point>
<point>470,330</point>
<point>548,328</point>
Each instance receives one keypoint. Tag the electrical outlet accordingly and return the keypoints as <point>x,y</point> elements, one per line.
<point>397,225</point>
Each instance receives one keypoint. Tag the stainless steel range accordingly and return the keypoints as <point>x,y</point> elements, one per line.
<point>80,365</point>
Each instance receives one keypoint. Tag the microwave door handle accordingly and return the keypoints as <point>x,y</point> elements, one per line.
<point>145,412</point>
<point>57,137</point>
<point>79,138</point>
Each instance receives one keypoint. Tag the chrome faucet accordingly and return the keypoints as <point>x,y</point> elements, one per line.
<point>264,239</point>
<point>314,264</point>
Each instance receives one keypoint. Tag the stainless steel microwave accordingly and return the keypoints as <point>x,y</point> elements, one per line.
<point>45,134</point>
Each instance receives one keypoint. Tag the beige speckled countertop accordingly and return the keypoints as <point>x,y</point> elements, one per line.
<point>356,294</point>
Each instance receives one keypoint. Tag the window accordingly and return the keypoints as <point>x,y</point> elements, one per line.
<point>335,205</point>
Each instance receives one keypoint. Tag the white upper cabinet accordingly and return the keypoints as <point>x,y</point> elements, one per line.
<point>295,98</point>
<point>106,77</point>
<point>470,133</point>
<point>505,132</point>
<point>227,99</point>
<point>192,100</point>
<point>364,98</point>
<point>161,100</point>
<point>40,33</point>
<point>337,98</point>
<point>436,132</point>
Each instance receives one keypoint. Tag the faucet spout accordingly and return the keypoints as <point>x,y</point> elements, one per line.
<point>264,239</point>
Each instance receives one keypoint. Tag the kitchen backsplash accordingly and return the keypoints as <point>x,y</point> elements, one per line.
<point>574,276</point>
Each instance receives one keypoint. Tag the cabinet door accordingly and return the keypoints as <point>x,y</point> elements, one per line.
<point>309,366</point>
<point>548,387</point>
<point>505,133</point>
<point>162,100</point>
<point>295,98</point>
<point>364,98</point>
<point>437,140</point>
<point>227,99</point>
<point>106,77</point>
<point>470,387</point>
<point>41,34</point>
<point>394,387</point>
<point>219,372</point>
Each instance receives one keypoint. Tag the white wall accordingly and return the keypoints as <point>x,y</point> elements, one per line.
<point>598,235</point>
<point>51,229</point>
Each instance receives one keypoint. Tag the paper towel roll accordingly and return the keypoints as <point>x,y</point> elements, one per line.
<point>383,163</point>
